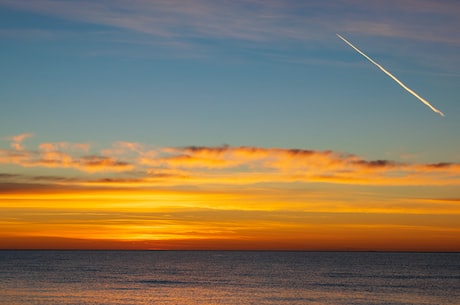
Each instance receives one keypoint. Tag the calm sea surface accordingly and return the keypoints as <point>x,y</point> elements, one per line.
<point>214,277</point>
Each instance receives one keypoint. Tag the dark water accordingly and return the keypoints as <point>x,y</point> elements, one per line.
<point>201,277</point>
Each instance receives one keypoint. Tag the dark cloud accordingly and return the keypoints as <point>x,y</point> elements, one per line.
<point>94,161</point>
<point>18,187</point>
<point>8,176</point>
<point>440,165</point>
<point>376,163</point>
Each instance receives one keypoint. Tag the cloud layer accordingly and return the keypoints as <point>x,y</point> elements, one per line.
<point>136,164</point>
<point>254,20</point>
<point>132,195</point>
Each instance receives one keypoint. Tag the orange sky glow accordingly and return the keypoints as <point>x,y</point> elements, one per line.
<point>129,196</point>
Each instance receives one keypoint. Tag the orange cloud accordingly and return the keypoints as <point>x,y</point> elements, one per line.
<point>121,148</point>
<point>100,163</point>
<point>16,141</point>
<point>244,165</point>
<point>225,198</point>
<point>59,155</point>
<point>63,146</point>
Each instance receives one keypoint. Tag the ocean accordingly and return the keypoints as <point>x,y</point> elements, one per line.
<point>228,277</point>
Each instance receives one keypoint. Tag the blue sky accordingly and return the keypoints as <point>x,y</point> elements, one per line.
<point>265,73</point>
<point>192,112</point>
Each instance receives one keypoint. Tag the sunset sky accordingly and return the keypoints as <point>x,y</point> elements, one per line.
<point>201,124</point>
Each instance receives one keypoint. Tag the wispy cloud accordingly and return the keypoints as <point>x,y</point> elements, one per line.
<point>169,19</point>
<point>48,147</point>
<point>259,21</point>
<point>16,141</point>
<point>59,155</point>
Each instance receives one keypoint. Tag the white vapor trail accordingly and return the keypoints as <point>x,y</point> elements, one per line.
<point>393,77</point>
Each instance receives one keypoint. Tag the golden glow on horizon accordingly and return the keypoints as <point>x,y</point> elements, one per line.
<point>224,198</point>
<point>149,216</point>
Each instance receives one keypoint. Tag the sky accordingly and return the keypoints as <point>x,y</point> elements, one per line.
<point>236,125</point>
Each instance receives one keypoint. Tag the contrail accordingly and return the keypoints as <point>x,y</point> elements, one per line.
<point>393,77</point>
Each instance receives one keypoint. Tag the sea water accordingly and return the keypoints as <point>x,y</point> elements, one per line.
<point>228,277</point>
